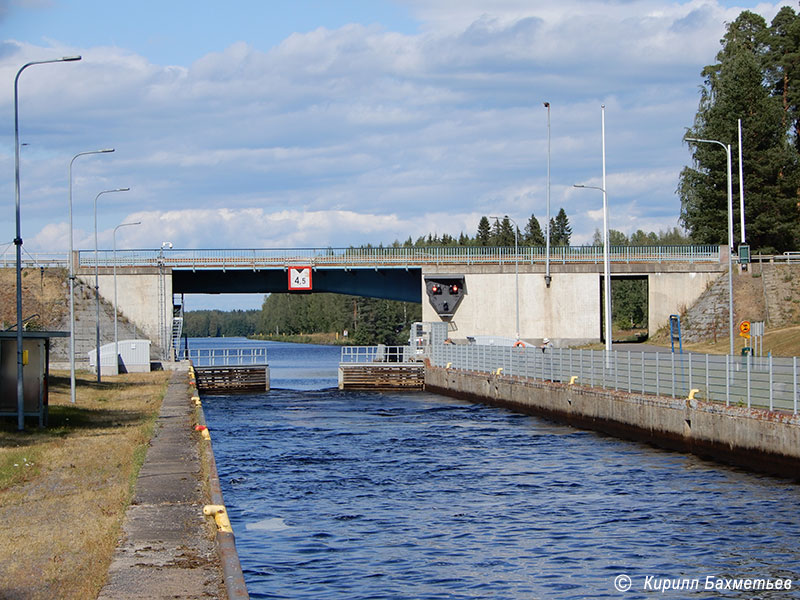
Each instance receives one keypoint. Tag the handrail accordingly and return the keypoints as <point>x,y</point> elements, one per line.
<point>400,257</point>
<point>376,354</point>
<point>225,357</point>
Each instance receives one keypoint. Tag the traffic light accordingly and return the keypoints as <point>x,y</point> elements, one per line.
<point>445,292</point>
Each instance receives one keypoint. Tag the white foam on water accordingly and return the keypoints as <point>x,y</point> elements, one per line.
<point>273,524</point>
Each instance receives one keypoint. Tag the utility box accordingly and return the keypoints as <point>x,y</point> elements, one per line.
<point>426,334</point>
<point>35,372</point>
<point>134,357</point>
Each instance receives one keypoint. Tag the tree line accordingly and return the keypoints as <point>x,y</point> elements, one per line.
<point>367,320</point>
<point>755,79</point>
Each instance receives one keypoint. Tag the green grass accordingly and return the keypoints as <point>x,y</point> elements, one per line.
<point>18,465</point>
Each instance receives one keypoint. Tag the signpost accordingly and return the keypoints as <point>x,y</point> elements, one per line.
<point>675,333</point>
<point>299,279</point>
<point>744,329</point>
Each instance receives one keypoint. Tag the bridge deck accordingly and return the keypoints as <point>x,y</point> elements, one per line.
<point>393,257</point>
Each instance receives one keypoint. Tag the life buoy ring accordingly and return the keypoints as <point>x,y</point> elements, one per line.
<point>519,344</point>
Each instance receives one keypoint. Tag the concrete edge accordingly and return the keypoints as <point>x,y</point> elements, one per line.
<point>754,439</point>
<point>235,585</point>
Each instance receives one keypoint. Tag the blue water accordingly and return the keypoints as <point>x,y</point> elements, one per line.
<point>412,495</point>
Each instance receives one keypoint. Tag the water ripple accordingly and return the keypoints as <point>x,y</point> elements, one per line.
<point>356,496</point>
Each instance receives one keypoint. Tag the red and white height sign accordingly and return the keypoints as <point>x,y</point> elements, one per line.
<point>299,279</point>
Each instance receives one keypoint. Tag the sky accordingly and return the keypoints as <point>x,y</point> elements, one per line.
<point>306,123</point>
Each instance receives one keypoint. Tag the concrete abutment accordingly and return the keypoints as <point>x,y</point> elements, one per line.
<point>755,439</point>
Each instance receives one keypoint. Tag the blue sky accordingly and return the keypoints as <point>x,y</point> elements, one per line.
<point>289,124</point>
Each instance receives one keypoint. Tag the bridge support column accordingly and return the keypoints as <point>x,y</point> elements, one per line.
<point>140,292</point>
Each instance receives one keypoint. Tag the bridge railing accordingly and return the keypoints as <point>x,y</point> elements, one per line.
<point>767,382</point>
<point>256,258</point>
<point>376,354</point>
<point>224,357</point>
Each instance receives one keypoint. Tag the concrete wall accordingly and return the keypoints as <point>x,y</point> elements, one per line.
<point>567,312</point>
<point>137,296</point>
<point>671,293</point>
<point>752,438</point>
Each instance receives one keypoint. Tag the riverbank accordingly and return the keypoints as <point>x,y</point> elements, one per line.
<point>322,338</point>
<point>64,489</point>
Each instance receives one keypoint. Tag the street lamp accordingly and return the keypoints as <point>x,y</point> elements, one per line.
<point>18,239</point>
<point>547,278</point>
<point>72,280</point>
<point>114,236</point>
<point>516,265</point>
<point>606,268</point>
<point>606,260</point>
<point>727,148</point>
<point>97,275</point>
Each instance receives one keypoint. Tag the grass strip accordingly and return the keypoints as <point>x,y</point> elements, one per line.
<point>60,517</point>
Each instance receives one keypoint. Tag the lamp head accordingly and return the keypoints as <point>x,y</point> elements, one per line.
<point>70,58</point>
<point>547,105</point>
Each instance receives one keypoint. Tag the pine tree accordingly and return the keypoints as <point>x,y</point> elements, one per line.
<point>533,232</point>
<point>735,88</point>
<point>484,235</point>
<point>560,229</point>
<point>503,232</point>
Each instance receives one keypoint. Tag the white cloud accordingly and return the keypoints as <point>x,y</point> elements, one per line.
<point>361,134</point>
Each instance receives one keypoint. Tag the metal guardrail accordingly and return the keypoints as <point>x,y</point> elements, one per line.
<point>224,357</point>
<point>48,259</point>
<point>766,382</point>
<point>377,354</point>
<point>400,257</point>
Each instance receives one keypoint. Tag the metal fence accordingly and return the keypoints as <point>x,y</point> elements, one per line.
<point>224,357</point>
<point>745,381</point>
<point>255,258</point>
<point>377,354</point>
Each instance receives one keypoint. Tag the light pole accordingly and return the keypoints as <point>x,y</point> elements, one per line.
<point>516,265</point>
<point>606,259</point>
<point>606,268</point>
<point>114,236</point>
<point>97,276</point>
<point>741,183</point>
<point>18,239</point>
<point>727,148</point>
<point>547,278</point>
<point>72,280</point>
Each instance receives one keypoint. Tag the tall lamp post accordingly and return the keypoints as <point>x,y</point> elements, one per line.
<point>72,280</point>
<point>727,148</point>
<point>606,260</point>
<point>97,276</point>
<point>606,268</point>
<point>114,236</point>
<point>547,278</point>
<point>516,265</point>
<point>18,239</point>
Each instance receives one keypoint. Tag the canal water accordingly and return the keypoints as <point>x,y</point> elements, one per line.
<point>360,495</point>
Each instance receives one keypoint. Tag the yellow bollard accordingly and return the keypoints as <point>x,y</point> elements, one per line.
<point>573,379</point>
<point>499,371</point>
<point>220,516</point>
<point>692,393</point>
<point>206,435</point>
<point>449,365</point>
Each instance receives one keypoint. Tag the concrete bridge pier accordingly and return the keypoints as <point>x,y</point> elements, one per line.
<point>569,312</point>
<point>144,296</point>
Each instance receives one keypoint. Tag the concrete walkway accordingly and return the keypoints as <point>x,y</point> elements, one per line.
<point>167,549</point>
